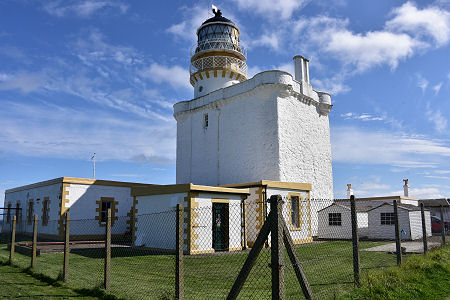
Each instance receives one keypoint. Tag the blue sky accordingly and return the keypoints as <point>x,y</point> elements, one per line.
<point>78,77</point>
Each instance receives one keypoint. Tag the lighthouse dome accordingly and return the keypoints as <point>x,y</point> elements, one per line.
<point>219,59</point>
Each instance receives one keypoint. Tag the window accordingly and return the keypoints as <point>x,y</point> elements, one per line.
<point>387,218</point>
<point>102,210</point>
<point>205,121</point>
<point>45,211</point>
<point>105,206</point>
<point>200,89</point>
<point>8,214</point>
<point>295,208</point>
<point>334,219</point>
<point>30,211</point>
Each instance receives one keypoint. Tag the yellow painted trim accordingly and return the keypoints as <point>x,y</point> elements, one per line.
<point>224,52</point>
<point>259,209</point>
<point>225,69</point>
<point>308,213</point>
<point>274,184</point>
<point>219,200</point>
<point>114,210</point>
<point>132,220</point>
<point>234,249</point>
<point>215,73</point>
<point>303,241</point>
<point>75,181</point>
<point>183,188</point>
<point>193,252</point>
<point>207,74</point>
<point>299,213</point>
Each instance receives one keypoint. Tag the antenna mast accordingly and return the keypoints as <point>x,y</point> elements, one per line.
<point>93,159</point>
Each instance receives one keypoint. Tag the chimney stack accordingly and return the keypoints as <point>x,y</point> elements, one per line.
<point>349,190</point>
<point>301,68</point>
<point>406,188</point>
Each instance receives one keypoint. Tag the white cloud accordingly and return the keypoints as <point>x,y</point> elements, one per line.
<point>435,116</point>
<point>25,82</point>
<point>334,85</point>
<point>438,177</point>
<point>48,130</point>
<point>175,76</point>
<point>362,117</point>
<point>84,8</point>
<point>422,83</point>
<point>442,171</point>
<point>355,145</point>
<point>437,88</point>
<point>193,17</point>
<point>271,40</point>
<point>367,50</point>
<point>280,9</point>
<point>431,21</point>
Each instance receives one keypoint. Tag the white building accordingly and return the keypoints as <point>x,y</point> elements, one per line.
<point>87,200</point>
<point>273,126</point>
<point>381,222</point>
<point>334,222</point>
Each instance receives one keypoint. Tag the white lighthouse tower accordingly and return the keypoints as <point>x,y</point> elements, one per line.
<point>218,60</point>
<point>273,126</point>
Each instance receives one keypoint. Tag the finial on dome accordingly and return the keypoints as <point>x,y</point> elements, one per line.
<point>216,11</point>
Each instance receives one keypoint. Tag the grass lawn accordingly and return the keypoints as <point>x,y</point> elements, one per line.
<point>17,284</point>
<point>136,275</point>
<point>419,277</point>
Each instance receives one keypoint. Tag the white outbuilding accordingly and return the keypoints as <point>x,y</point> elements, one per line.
<point>334,222</point>
<point>382,222</point>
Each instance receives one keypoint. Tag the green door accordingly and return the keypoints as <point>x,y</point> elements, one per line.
<point>220,226</point>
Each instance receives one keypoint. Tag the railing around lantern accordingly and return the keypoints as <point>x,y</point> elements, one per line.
<point>221,62</point>
<point>218,44</point>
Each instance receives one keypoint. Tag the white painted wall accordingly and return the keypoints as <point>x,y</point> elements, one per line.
<point>52,191</point>
<point>156,220</point>
<point>252,212</point>
<point>82,206</point>
<point>378,231</point>
<point>415,221</point>
<point>204,220</point>
<point>262,128</point>
<point>325,231</point>
<point>213,83</point>
<point>305,231</point>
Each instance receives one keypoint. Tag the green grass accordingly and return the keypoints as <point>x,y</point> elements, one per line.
<point>419,277</point>
<point>136,275</point>
<point>17,284</point>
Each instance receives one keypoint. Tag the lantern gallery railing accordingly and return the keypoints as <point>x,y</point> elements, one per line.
<point>221,62</point>
<point>219,44</point>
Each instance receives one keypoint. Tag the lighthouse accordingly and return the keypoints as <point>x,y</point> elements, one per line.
<point>218,60</point>
<point>273,126</point>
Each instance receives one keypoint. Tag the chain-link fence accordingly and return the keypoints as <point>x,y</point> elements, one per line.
<point>136,258</point>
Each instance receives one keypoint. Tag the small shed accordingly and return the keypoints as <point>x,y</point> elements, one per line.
<point>334,221</point>
<point>382,222</point>
<point>212,220</point>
